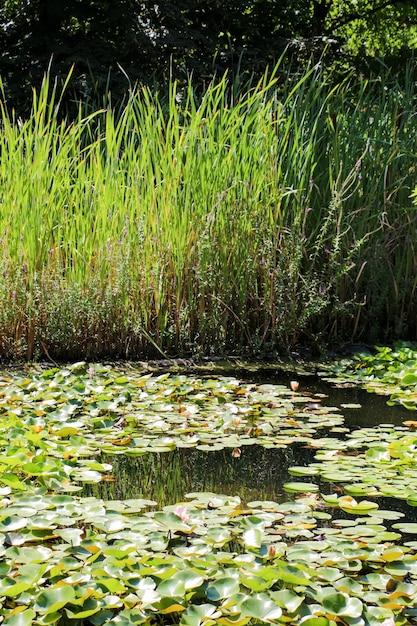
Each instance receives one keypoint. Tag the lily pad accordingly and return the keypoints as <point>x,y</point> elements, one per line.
<point>301,487</point>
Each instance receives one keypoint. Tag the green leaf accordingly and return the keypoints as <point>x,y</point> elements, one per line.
<point>173,587</point>
<point>190,577</point>
<point>341,604</point>
<point>253,538</point>
<point>12,481</point>
<point>330,574</point>
<point>172,521</point>
<point>409,379</point>
<point>196,615</point>
<point>287,599</point>
<point>301,487</point>
<point>55,598</point>
<point>23,618</point>
<point>13,523</point>
<point>292,574</point>
<point>89,608</point>
<point>350,505</point>
<point>31,572</point>
<point>10,588</point>
<point>256,583</point>
<point>305,470</point>
<point>222,588</point>
<point>378,453</point>
<point>112,584</point>
<point>260,606</point>
<point>406,527</point>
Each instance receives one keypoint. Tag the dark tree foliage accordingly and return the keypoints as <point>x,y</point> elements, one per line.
<point>96,36</point>
<point>115,43</point>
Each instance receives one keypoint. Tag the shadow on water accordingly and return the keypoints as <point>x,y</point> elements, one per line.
<point>252,473</point>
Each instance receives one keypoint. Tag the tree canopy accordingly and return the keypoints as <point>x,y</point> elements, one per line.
<point>144,40</point>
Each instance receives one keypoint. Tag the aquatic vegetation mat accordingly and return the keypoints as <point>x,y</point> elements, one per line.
<point>57,421</point>
<point>369,462</point>
<point>209,560</point>
<point>390,371</point>
<point>322,554</point>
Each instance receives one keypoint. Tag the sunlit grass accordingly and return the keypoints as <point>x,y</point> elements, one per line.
<point>193,225</point>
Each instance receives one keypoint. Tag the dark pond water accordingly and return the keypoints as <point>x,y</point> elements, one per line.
<point>258,473</point>
<point>374,409</point>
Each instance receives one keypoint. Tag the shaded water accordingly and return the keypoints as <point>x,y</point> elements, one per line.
<point>372,412</point>
<point>254,472</point>
<point>258,474</point>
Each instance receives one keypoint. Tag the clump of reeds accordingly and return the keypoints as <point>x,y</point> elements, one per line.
<point>243,221</point>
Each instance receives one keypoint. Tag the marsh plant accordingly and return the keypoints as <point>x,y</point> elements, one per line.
<point>238,220</point>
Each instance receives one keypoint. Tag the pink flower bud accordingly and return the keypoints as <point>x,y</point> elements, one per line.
<point>271,552</point>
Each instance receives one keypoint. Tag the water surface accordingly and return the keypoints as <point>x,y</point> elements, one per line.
<point>252,472</point>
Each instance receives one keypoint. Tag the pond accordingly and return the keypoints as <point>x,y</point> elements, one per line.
<point>252,472</point>
<point>201,498</point>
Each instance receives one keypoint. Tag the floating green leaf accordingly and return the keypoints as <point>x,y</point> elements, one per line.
<point>301,487</point>
<point>199,614</point>
<point>54,598</point>
<point>222,588</point>
<point>260,606</point>
<point>24,617</point>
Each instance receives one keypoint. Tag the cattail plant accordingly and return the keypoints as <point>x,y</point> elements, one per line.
<point>237,221</point>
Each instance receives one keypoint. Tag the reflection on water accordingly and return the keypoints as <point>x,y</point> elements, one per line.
<point>374,409</point>
<point>252,472</point>
<point>257,474</point>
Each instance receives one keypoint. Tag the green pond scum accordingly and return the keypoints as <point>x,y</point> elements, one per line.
<point>324,552</point>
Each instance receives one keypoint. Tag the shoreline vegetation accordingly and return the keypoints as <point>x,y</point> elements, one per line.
<point>244,220</point>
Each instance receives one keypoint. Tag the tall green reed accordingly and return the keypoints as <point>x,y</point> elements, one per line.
<point>237,221</point>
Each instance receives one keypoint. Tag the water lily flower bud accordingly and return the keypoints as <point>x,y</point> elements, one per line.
<point>236,420</point>
<point>294,384</point>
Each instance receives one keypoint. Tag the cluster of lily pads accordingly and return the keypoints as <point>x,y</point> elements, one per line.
<point>56,422</point>
<point>209,559</point>
<point>390,371</point>
<point>378,461</point>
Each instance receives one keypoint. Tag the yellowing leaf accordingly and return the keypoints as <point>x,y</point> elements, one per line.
<point>392,555</point>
